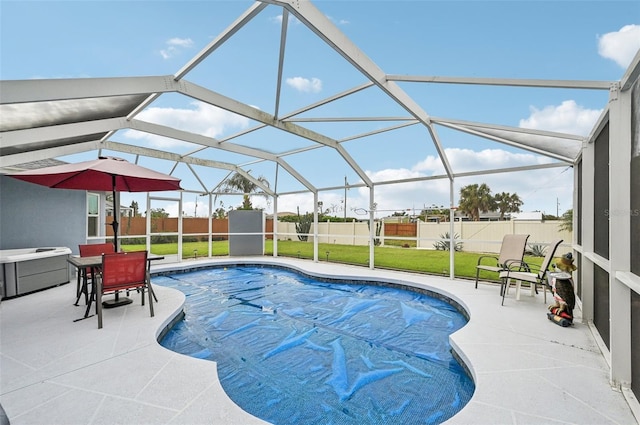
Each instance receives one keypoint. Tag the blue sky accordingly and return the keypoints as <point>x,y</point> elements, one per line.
<point>574,40</point>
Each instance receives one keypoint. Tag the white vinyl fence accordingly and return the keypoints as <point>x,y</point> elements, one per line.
<point>486,236</point>
<point>476,236</point>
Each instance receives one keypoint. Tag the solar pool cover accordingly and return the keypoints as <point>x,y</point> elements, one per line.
<point>297,350</point>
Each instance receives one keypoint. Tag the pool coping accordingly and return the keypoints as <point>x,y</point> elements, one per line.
<point>386,283</point>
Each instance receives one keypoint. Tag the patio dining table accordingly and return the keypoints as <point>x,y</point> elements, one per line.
<point>94,262</point>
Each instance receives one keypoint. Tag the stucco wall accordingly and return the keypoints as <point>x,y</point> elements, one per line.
<point>35,216</point>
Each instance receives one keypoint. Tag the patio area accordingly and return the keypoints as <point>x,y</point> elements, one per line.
<point>526,369</point>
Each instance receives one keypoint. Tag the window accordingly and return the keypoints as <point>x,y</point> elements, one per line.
<point>93,214</point>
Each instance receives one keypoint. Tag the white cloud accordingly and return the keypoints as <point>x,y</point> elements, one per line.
<point>620,46</point>
<point>547,190</point>
<point>278,19</point>
<point>567,117</point>
<point>291,203</point>
<point>293,20</point>
<point>180,42</point>
<point>338,21</point>
<point>191,209</point>
<point>532,186</point>
<point>313,85</point>
<point>202,119</point>
<point>462,160</point>
<point>174,46</point>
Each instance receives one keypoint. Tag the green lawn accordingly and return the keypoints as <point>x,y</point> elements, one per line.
<point>411,259</point>
<point>397,258</point>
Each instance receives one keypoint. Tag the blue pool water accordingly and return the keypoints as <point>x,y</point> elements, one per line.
<point>296,350</point>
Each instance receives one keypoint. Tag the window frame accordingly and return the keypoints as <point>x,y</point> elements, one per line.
<point>95,216</point>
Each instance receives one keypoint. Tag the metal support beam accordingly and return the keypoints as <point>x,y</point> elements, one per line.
<point>322,26</point>
<point>242,20</point>
<point>452,239</point>
<point>23,91</point>
<point>372,228</point>
<point>620,124</point>
<point>513,82</point>
<point>250,112</point>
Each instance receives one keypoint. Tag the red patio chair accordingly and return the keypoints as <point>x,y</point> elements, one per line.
<point>122,271</point>
<point>89,250</point>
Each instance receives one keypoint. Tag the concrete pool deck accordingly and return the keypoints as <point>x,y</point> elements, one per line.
<point>527,370</point>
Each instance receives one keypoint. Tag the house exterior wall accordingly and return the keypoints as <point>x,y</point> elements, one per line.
<point>34,216</point>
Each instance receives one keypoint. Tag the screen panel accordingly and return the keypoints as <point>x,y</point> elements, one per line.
<point>601,296</point>
<point>635,343</point>
<point>578,207</point>
<point>601,194</point>
<point>577,281</point>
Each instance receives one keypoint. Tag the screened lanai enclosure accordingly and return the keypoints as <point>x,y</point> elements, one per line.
<point>313,138</point>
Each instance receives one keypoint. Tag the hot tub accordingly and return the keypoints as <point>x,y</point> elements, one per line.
<point>31,269</point>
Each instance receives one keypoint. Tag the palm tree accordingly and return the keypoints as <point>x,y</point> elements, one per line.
<point>240,183</point>
<point>507,202</point>
<point>475,198</point>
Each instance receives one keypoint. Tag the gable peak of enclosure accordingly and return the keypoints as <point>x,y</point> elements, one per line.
<point>52,118</point>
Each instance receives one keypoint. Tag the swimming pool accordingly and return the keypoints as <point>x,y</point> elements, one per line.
<point>292,349</point>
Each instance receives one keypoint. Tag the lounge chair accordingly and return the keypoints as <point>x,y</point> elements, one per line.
<point>534,275</point>
<point>512,249</point>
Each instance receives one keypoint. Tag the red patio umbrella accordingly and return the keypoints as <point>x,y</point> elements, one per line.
<point>102,174</point>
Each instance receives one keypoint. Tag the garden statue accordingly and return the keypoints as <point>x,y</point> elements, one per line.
<point>561,311</point>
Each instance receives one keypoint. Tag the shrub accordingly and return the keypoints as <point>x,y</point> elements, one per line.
<point>536,250</point>
<point>303,226</point>
<point>376,240</point>
<point>444,245</point>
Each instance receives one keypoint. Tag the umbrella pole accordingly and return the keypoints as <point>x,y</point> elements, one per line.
<point>116,213</point>
<point>117,301</point>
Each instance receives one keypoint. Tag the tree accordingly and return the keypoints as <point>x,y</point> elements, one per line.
<point>507,203</point>
<point>220,212</point>
<point>567,221</point>
<point>159,213</point>
<point>474,199</point>
<point>134,207</point>
<point>303,226</point>
<point>240,183</point>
